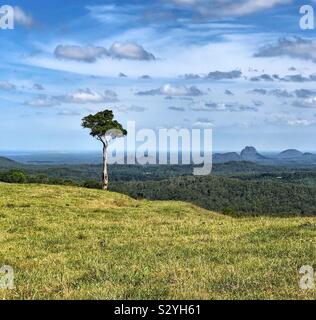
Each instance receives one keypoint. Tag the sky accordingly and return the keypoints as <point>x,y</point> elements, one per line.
<point>244,68</point>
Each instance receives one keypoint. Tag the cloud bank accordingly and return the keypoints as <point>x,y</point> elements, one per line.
<point>129,51</point>
<point>294,48</point>
<point>173,91</point>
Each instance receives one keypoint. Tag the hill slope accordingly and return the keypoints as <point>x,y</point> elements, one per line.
<point>68,243</point>
<point>222,193</point>
<point>7,163</point>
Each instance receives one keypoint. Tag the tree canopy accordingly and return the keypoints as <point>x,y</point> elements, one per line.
<point>102,126</point>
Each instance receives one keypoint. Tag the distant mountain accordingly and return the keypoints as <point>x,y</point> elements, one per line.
<point>309,157</point>
<point>226,157</point>
<point>247,154</point>
<point>290,154</point>
<point>251,154</point>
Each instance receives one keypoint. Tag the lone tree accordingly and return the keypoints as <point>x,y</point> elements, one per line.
<point>104,128</point>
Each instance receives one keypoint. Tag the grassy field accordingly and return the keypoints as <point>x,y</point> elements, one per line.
<point>72,243</point>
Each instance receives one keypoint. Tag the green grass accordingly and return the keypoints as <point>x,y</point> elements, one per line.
<point>72,243</point>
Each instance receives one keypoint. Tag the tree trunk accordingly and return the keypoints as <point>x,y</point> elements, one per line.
<point>105,176</point>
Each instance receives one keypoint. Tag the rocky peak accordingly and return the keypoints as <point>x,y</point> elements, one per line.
<point>251,154</point>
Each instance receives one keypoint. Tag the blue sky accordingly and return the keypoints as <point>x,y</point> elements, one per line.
<point>243,68</point>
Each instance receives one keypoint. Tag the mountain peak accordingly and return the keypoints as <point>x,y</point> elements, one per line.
<point>290,153</point>
<point>249,149</point>
<point>251,154</point>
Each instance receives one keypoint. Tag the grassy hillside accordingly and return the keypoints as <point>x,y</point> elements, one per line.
<point>67,243</point>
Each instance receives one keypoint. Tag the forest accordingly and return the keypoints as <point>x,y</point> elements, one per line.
<point>233,188</point>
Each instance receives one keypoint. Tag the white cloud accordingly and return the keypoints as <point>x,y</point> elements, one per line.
<point>38,86</point>
<point>23,18</point>
<point>184,2</point>
<point>223,106</point>
<point>7,85</point>
<point>288,120</point>
<point>203,123</point>
<point>309,103</point>
<point>42,101</point>
<point>228,8</point>
<point>83,96</point>
<point>136,109</point>
<point>295,48</point>
<point>173,90</point>
<point>177,109</point>
<point>68,113</point>
<point>78,53</point>
<point>131,51</point>
<point>177,56</point>
<point>241,8</point>
<point>220,75</point>
<point>300,122</point>
<point>132,108</point>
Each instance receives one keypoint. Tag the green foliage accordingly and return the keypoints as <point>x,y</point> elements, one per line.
<point>83,172</point>
<point>69,183</point>
<point>102,124</point>
<point>16,176</point>
<point>219,193</point>
<point>92,184</point>
<point>246,188</point>
<point>40,178</point>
